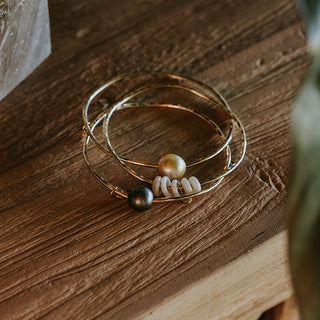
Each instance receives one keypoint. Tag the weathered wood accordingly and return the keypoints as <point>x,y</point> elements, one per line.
<point>24,40</point>
<point>246,286</point>
<point>67,249</point>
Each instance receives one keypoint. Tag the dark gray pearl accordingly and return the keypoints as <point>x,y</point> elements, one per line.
<point>140,198</point>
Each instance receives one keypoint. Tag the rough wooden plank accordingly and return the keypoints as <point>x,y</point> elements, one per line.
<point>242,281</point>
<point>24,40</point>
<point>127,51</point>
<point>67,249</point>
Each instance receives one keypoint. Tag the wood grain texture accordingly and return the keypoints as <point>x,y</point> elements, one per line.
<point>68,250</point>
<point>245,285</point>
<point>24,40</point>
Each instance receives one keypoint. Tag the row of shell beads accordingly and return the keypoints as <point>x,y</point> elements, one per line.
<point>160,186</point>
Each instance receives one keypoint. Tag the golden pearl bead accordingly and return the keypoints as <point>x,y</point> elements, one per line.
<point>172,166</point>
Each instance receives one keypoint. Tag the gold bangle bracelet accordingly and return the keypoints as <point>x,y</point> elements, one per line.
<point>139,87</point>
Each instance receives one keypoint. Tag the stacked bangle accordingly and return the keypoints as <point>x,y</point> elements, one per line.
<point>157,90</point>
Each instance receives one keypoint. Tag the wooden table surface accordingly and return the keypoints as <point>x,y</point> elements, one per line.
<point>70,251</point>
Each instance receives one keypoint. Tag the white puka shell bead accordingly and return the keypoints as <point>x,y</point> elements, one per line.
<point>165,181</point>
<point>156,186</point>
<point>195,184</point>
<point>186,186</point>
<point>174,188</point>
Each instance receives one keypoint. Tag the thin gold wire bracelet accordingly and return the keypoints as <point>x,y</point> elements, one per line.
<point>120,192</point>
<point>118,105</point>
<point>227,169</point>
<point>141,198</point>
<point>224,106</point>
<point>134,173</point>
